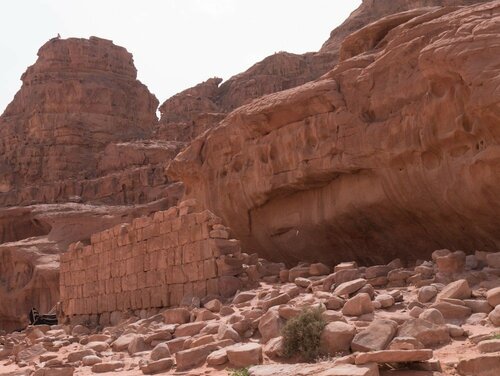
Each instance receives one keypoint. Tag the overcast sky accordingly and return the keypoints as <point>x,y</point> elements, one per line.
<point>176,43</point>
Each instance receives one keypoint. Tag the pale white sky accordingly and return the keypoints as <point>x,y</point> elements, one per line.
<point>175,43</point>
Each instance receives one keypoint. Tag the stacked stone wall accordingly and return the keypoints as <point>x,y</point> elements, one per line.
<point>152,262</point>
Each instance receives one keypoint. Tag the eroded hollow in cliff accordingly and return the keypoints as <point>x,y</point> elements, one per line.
<point>19,226</point>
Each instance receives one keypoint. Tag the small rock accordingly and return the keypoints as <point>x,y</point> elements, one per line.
<point>455,330</point>
<point>244,355</point>
<point>189,329</point>
<point>426,332</point>
<point>176,316</point>
<point>452,311</point>
<point>493,260</point>
<point>76,356</point>
<point>217,358</point>
<point>334,303</point>
<point>478,306</point>
<point>158,366</point>
<point>376,336</point>
<point>432,315</point>
<point>80,330</point>
<point>213,305</point>
<point>331,316</point>
<point>358,305</point>
<point>161,351</point>
<point>302,282</point>
<point>451,263</point>
<point>336,337</point>
<point>493,297</point>
<point>350,287</point>
<point>394,356</point>
<point>227,332</point>
<point>90,360</point>
<point>280,299</point>
<point>107,367</point>
<point>482,365</point>
<point>270,325</point>
<point>243,297</point>
<point>426,294</point>
<point>385,300</point>
<point>137,345</point>
<point>319,269</point>
<point>122,342</point>
<point>489,346</point>
<point>405,343</point>
<point>494,316</point>
<point>97,346</point>
<point>456,290</point>
<point>274,347</point>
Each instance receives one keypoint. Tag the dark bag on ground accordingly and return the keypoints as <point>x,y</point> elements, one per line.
<point>38,319</point>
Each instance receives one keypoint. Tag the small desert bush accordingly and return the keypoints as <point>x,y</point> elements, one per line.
<point>301,335</point>
<point>239,372</point>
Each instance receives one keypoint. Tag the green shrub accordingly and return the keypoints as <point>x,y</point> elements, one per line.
<point>239,372</point>
<point>301,335</point>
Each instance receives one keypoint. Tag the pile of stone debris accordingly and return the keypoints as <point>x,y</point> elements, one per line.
<point>436,318</point>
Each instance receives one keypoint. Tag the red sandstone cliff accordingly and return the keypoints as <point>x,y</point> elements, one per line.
<point>364,160</point>
<point>393,153</point>
<point>191,112</point>
<point>76,156</point>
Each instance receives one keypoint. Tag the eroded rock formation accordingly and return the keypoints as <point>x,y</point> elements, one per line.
<point>395,152</point>
<point>76,156</point>
<point>193,111</point>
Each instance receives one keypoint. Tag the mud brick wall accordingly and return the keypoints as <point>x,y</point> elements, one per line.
<point>152,262</point>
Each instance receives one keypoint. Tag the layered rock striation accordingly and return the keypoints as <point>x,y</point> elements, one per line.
<point>393,153</point>
<point>76,156</point>
<point>188,114</point>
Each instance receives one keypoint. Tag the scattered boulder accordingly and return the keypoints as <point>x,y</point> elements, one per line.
<point>319,269</point>
<point>385,300</point>
<point>405,343</point>
<point>189,329</point>
<point>217,358</point>
<point>482,365</point>
<point>358,305</point>
<point>451,263</point>
<point>494,316</point>
<point>456,290</point>
<point>493,260</point>
<point>158,366</point>
<point>489,346</point>
<point>452,311</point>
<point>350,287</point>
<point>76,356</point>
<point>176,316</point>
<point>493,297</point>
<point>336,337</point>
<point>394,356</point>
<point>161,351</point>
<point>90,360</point>
<point>270,325</point>
<point>432,315</point>
<point>107,366</point>
<point>375,337</point>
<point>244,355</point>
<point>137,345</point>
<point>426,332</point>
<point>122,342</point>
